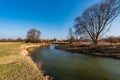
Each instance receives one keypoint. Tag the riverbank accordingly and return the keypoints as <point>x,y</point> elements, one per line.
<point>100,51</point>
<point>15,64</point>
<point>26,49</point>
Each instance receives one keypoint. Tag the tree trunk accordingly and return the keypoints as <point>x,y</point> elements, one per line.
<point>95,42</point>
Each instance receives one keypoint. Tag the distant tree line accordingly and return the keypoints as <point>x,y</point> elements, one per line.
<point>12,40</point>
<point>33,36</point>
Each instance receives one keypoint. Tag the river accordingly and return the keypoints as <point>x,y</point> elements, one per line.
<point>63,65</point>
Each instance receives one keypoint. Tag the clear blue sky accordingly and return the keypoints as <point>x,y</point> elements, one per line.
<point>52,17</point>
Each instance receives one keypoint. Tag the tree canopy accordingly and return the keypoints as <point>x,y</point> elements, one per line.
<point>33,35</point>
<point>96,20</point>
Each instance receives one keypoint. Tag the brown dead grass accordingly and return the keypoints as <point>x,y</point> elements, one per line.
<point>9,48</point>
<point>100,43</point>
<point>20,70</point>
<point>16,66</point>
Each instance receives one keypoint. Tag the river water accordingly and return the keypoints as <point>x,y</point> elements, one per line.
<point>63,65</point>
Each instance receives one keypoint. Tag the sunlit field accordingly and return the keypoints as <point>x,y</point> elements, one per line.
<point>14,66</point>
<point>9,48</point>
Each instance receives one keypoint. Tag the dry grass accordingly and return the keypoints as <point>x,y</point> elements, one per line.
<point>15,66</point>
<point>9,48</point>
<point>81,43</point>
<point>21,69</point>
<point>100,43</point>
<point>108,44</point>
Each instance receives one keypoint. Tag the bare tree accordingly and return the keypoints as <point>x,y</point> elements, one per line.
<point>33,35</point>
<point>71,35</point>
<point>96,20</point>
<point>19,39</point>
<point>38,35</point>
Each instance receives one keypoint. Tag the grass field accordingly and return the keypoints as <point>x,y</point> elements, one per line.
<point>9,48</point>
<point>15,66</point>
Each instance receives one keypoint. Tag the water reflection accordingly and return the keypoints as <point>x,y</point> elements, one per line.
<point>64,65</point>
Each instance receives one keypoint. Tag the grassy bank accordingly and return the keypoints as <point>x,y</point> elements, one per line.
<point>16,66</point>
